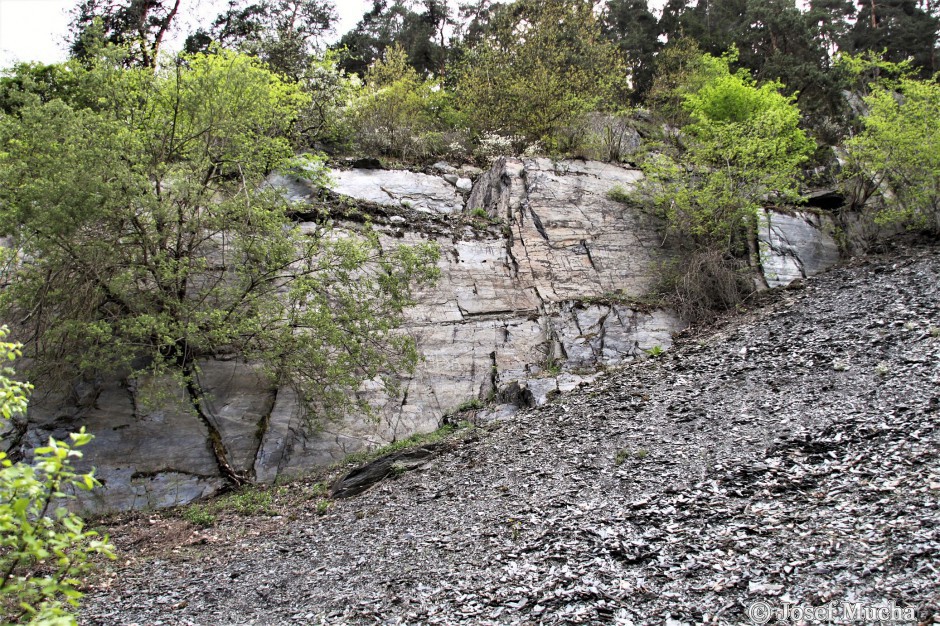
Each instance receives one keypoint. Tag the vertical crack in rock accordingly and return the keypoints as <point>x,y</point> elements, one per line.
<point>401,408</point>
<point>494,376</point>
<point>217,445</point>
<point>787,249</point>
<point>264,423</point>
<point>473,365</point>
<point>601,337</point>
<point>295,437</point>
<point>574,318</point>
<point>513,263</point>
<point>791,249</point>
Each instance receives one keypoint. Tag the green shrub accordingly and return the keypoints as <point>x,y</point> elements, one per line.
<point>398,113</point>
<point>744,149</point>
<point>44,547</point>
<point>542,65</point>
<point>248,501</point>
<point>895,158</point>
<point>618,193</point>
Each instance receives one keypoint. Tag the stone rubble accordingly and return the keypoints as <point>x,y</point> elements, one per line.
<point>790,455</point>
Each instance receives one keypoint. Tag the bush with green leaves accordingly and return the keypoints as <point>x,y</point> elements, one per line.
<point>541,65</point>
<point>895,158</point>
<point>398,113</point>
<point>44,547</point>
<point>744,149</point>
<point>323,121</point>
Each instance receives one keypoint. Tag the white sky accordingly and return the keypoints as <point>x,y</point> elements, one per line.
<point>35,30</point>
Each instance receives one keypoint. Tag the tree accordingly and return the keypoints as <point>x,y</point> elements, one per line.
<point>140,25</point>
<point>635,30</point>
<point>895,158</point>
<point>399,113</point>
<point>419,28</point>
<point>900,29</point>
<point>285,34</point>
<point>680,70</point>
<point>744,149</point>
<point>542,65</point>
<point>44,547</point>
<point>777,40</point>
<point>144,240</point>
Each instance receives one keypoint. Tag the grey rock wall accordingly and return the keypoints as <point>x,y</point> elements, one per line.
<point>531,305</point>
<point>795,244</point>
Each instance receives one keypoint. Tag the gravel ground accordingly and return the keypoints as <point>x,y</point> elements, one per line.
<point>789,457</point>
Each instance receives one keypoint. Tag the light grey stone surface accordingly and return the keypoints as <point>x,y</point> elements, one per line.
<point>525,309</point>
<point>420,192</point>
<point>795,244</point>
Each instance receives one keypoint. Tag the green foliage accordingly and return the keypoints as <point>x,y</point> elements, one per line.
<point>783,40</point>
<point>745,148</point>
<point>398,113</point>
<point>899,30</point>
<point>143,238</point>
<point>896,156</point>
<point>199,515</point>
<point>635,30</point>
<point>324,120</point>
<point>282,33</point>
<point>44,547</point>
<point>421,36</point>
<point>624,454</point>
<point>140,26</point>
<point>618,193</point>
<point>470,405</point>
<point>540,66</point>
<point>680,70</point>
<point>413,441</point>
<point>246,501</point>
<point>655,352</point>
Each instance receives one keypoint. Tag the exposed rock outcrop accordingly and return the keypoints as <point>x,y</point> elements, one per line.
<point>795,244</point>
<point>535,300</point>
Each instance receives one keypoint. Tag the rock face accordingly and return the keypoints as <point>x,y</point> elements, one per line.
<point>427,194</point>
<point>531,302</point>
<point>796,244</point>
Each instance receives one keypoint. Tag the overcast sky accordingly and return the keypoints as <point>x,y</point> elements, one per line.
<point>35,30</point>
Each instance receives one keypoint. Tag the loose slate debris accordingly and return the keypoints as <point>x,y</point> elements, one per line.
<point>789,457</point>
